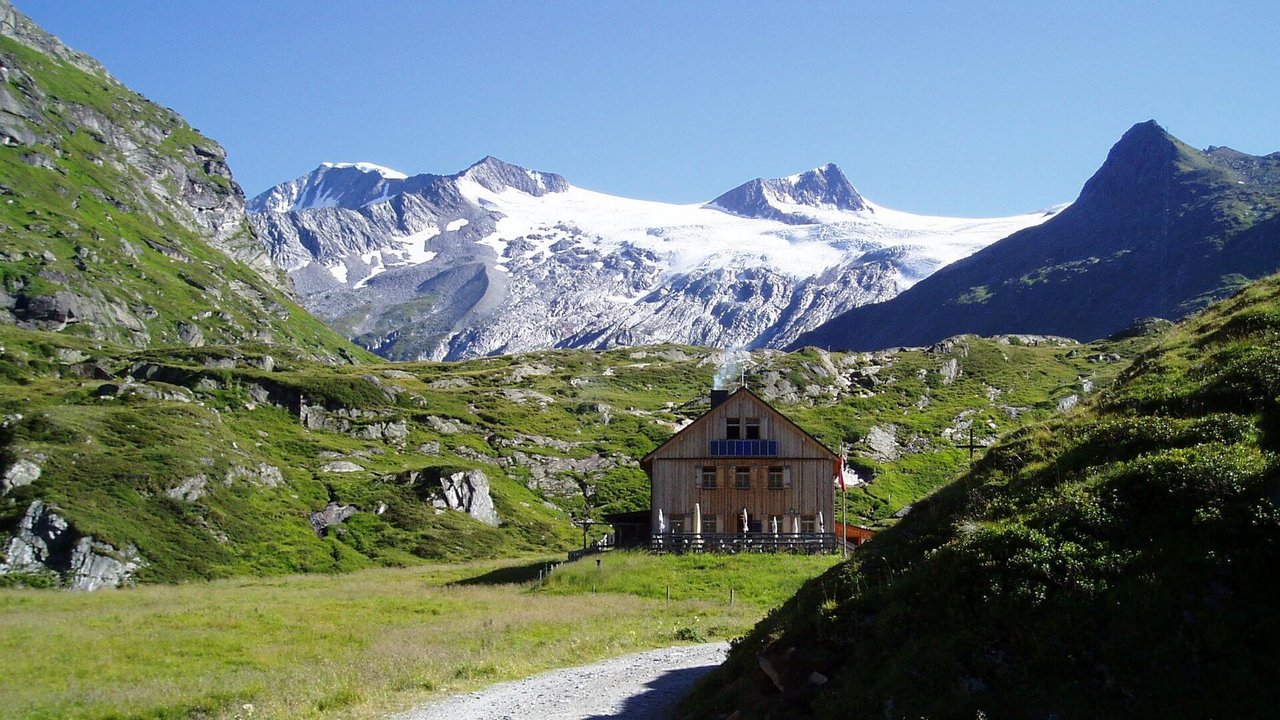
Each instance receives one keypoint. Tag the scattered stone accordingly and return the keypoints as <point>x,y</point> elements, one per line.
<point>341,466</point>
<point>22,472</point>
<point>190,489</point>
<point>398,375</point>
<point>1068,402</point>
<point>332,514</point>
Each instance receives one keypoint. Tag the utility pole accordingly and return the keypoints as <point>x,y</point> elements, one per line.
<point>586,524</point>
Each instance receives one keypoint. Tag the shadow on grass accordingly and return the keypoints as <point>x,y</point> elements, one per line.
<point>513,575</point>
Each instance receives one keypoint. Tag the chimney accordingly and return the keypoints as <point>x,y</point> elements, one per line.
<point>717,397</point>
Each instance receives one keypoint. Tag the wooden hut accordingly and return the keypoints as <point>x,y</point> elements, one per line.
<point>742,476</point>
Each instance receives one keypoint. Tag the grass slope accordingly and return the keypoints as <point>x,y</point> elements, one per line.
<point>1114,562</point>
<point>118,433</point>
<point>356,645</point>
<point>122,223</point>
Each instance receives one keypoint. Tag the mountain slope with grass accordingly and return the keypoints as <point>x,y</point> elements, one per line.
<point>122,465</point>
<point>1116,561</point>
<point>1160,230</point>
<point>122,223</point>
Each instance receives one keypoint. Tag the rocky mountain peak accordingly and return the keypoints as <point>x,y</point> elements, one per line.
<point>1145,157</point>
<point>497,175</point>
<point>350,185</point>
<point>823,188</point>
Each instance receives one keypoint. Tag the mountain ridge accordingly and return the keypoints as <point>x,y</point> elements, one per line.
<point>1160,229</point>
<point>477,262</point>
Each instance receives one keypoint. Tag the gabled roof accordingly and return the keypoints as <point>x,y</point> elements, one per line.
<point>647,460</point>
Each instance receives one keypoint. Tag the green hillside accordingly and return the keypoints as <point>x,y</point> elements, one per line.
<point>1112,562</point>
<point>122,223</point>
<point>206,462</point>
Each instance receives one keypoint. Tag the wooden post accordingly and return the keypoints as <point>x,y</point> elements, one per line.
<point>730,597</point>
<point>668,594</point>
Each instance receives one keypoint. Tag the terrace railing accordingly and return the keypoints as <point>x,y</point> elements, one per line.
<point>744,542</point>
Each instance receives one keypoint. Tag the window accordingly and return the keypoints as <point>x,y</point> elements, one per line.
<point>707,477</point>
<point>742,477</point>
<point>752,427</point>
<point>808,524</point>
<point>708,523</point>
<point>777,478</point>
<point>733,428</point>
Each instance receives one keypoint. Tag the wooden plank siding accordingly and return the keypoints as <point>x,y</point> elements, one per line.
<point>675,471</point>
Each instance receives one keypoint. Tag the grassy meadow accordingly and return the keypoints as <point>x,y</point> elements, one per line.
<point>362,644</point>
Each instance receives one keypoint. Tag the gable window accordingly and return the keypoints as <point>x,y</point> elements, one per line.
<point>707,477</point>
<point>778,477</point>
<point>733,428</point>
<point>742,477</point>
<point>751,428</point>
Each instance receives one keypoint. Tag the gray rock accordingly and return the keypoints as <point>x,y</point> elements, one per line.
<point>332,514</point>
<point>1068,402</point>
<point>949,371</point>
<point>97,565</point>
<point>45,541</point>
<point>22,472</point>
<point>341,466</point>
<point>468,491</point>
<point>882,443</point>
<point>190,489</point>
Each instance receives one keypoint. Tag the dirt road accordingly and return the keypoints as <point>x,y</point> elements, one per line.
<point>643,686</point>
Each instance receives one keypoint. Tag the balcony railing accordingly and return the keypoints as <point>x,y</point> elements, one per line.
<point>744,448</point>
<point>744,542</point>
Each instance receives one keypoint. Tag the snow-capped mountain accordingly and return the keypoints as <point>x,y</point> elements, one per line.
<point>498,258</point>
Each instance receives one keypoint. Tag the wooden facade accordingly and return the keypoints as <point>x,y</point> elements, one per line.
<point>742,455</point>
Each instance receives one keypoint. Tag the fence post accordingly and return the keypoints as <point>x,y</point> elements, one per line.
<point>668,594</point>
<point>730,597</point>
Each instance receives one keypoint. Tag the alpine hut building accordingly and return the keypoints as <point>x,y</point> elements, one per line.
<point>742,476</point>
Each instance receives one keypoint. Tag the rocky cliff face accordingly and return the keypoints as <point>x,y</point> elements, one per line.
<point>498,258</point>
<point>120,221</point>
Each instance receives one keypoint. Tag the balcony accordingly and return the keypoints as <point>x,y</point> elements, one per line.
<point>744,448</point>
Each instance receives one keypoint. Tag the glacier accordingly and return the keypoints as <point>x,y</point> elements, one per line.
<point>502,259</point>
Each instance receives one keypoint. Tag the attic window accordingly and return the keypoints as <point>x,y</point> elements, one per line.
<point>733,428</point>
<point>752,428</point>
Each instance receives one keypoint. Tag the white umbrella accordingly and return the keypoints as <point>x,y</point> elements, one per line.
<point>662,522</point>
<point>697,522</point>
<point>821,526</point>
<point>775,524</point>
<point>746,523</point>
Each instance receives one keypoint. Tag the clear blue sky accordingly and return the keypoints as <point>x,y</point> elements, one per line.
<point>961,108</point>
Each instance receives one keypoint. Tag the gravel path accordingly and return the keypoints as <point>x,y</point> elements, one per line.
<point>633,687</point>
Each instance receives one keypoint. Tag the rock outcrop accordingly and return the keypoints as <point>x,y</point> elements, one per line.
<point>46,542</point>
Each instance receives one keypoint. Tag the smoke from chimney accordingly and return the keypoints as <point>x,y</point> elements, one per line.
<point>732,362</point>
